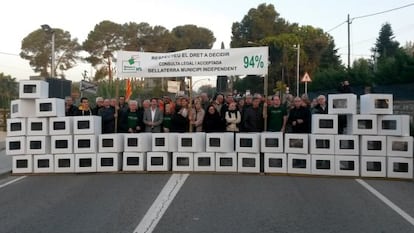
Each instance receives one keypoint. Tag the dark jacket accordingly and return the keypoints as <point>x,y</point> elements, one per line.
<point>253,120</point>
<point>304,114</point>
<point>80,112</point>
<point>179,123</point>
<point>123,121</point>
<point>319,110</point>
<point>71,111</point>
<point>213,123</point>
<point>108,119</point>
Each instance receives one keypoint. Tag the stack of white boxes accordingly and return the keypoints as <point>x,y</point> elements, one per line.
<point>188,144</point>
<point>275,160</point>
<point>219,156</point>
<point>136,147</point>
<point>163,145</point>
<point>110,148</point>
<point>248,152</point>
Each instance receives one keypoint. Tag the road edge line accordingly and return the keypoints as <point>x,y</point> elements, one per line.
<point>12,181</point>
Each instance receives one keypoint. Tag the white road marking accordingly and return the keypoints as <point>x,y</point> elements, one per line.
<point>12,181</point>
<point>387,201</point>
<point>160,205</point>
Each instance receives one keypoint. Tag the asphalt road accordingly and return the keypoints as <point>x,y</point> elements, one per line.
<point>205,203</point>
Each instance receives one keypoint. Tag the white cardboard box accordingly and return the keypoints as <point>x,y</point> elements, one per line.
<point>38,145</point>
<point>394,125</point>
<point>342,104</point>
<point>373,145</point>
<point>22,164</point>
<point>85,162</point>
<point>111,143</point>
<point>33,89</point>
<point>160,142</point>
<point>275,163</point>
<point>173,142</point>
<point>220,142</point>
<point>38,126</point>
<point>109,162</point>
<point>299,164</point>
<point>85,144</point>
<point>22,108</point>
<point>346,144</point>
<point>324,124</point>
<point>248,142</point>
<point>191,142</point>
<point>60,125</point>
<point>248,162</point>
<point>373,166</point>
<point>271,142</point>
<point>16,127</point>
<point>50,107</point>
<point>323,164</point>
<point>296,143</point>
<point>226,162</point>
<point>363,124</point>
<point>400,146</point>
<point>137,142</point>
<point>61,144</point>
<point>204,162</point>
<point>43,163</point>
<point>183,161</point>
<point>376,104</point>
<point>87,125</point>
<point>134,161</point>
<point>347,165</point>
<point>158,161</point>
<point>64,163</point>
<point>323,144</point>
<point>16,145</point>
<point>400,167</point>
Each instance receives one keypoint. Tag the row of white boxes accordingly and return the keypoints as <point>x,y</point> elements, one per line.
<point>365,166</point>
<point>365,145</point>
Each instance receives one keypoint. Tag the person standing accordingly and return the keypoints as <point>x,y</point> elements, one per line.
<point>197,117</point>
<point>233,118</point>
<point>107,114</point>
<point>253,119</point>
<point>70,108</point>
<point>153,117</point>
<point>299,117</point>
<point>84,109</point>
<point>99,104</point>
<point>131,121</point>
<point>276,116</point>
<point>321,107</point>
<point>212,120</point>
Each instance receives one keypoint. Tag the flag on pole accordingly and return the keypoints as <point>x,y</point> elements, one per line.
<point>128,89</point>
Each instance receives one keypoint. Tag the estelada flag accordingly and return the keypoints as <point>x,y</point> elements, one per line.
<point>128,90</point>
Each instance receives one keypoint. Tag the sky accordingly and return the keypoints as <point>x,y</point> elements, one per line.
<point>18,18</point>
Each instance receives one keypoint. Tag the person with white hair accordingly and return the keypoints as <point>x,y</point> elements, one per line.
<point>131,121</point>
<point>321,107</point>
<point>99,104</point>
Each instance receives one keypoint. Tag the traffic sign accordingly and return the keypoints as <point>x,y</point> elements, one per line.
<point>306,78</point>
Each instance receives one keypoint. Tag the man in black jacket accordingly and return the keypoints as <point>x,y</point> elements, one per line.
<point>300,117</point>
<point>253,117</point>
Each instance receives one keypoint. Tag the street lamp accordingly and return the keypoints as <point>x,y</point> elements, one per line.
<point>297,69</point>
<point>46,28</point>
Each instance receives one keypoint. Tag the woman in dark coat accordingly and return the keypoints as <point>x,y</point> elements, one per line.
<point>212,121</point>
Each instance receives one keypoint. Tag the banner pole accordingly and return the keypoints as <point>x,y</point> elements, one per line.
<point>190,105</point>
<point>117,104</point>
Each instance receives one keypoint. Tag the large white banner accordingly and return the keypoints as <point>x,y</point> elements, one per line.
<point>193,62</point>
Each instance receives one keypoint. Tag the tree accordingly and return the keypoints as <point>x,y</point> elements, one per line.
<point>8,90</point>
<point>144,37</point>
<point>101,43</point>
<point>36,47</point>
<point>210,90</point>
<point>385,45</point>
<point>192,37</point>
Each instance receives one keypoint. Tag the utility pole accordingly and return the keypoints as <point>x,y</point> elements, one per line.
<point>349,42</point>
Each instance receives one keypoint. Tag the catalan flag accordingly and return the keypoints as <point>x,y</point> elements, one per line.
<point>128,90</point>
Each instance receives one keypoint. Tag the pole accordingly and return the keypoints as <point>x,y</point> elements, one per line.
<point>297,70</point>
<point>306,88</point>
<point>266,82</point>
<point>52,69</point>
<point>117,105</point>
<point>190,86</point>
<point>349,42</point>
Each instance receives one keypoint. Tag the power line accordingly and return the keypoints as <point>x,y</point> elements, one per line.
<point>382,12</point>
<point>337,26</point>
<point>10,54</point>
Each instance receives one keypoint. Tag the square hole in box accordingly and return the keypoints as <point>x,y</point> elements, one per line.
<point>14,145</point>
<point>322,143</point>
<point>364,124</point>
<point>29,88</point>
<point>296,143</point>
<point>323,164</point>
<point>84,143</point>
<point>15,108</point>
<point>107,142</point>
<point>186,142</point>
<point>389,124</point>
<point>132,161</point>
<point>157,161</point>
<point>299,163</point>
<point>43,163</point>
<point>61,144</point>
<point>374,145</point>
<point>248,162</point>
<point>36,126</point>
<point>273,162</point>
<point>214,142</point>
<point>347,165</point>
<point>399,146</point>
<point>272,142</point>
<point>16,126</point>
<point>132,142</point>
<point>84,124</point>
<point>107,162</point>
<point>22,163</point>
<point>183,161</point>
<point>382,103</point>
<point>400,167</point>
<point>346,144</point>
<point>340,103</point>
<point>246,142</point>
<point>45,107</point>
<point>226,162</point>
<point>35,145</point>
<point>85,162</point>
<point>59,125</point>
<point>204,161</point>
<point>159,141</point>
<point>326,123</point>
<point>374,166</point>
<point>63,163</point>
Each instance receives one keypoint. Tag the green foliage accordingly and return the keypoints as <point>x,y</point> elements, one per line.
<point>37,48</point>
<point>8,90</point>
<point>250,82</point>
<point>385,45</point>
<point>192,37</point>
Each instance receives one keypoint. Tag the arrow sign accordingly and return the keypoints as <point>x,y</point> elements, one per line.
<point>306,78</point>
